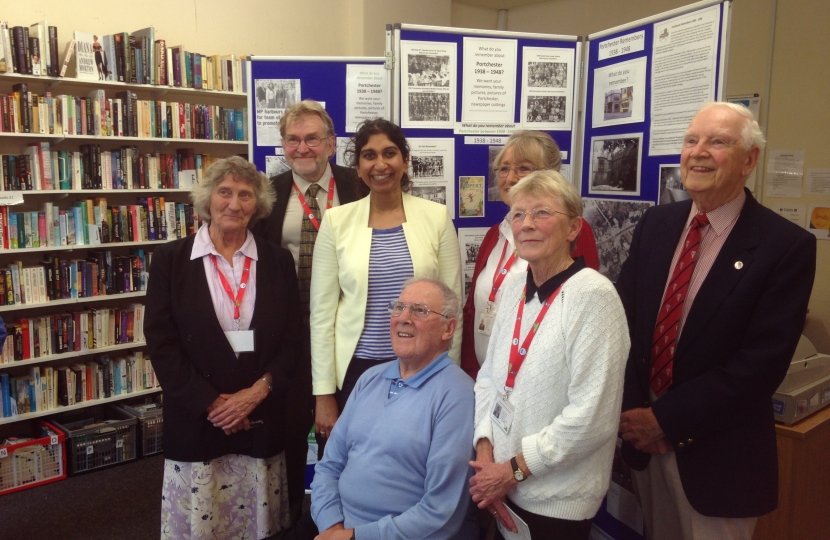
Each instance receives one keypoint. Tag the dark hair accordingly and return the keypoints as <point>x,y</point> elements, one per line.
<point>378,126</point>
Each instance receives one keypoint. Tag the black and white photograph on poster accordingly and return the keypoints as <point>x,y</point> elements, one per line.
<point>434,178</point>
<point>547,88</point>
<point>547,74</point>
<point>547,109</point>
<point>615,164</point>
<point>424,107</point>
<point>619,94</point>
<point>671,185</point>
<point>493,192</point>
<point>613,224</point>
<point>427,166</point>
<point>469,240</point>
<point>489,80</point>
<point>428,70</point>
<point>430,193</point>
<point>272,97</point>
<point>275,165</point>
<point>428,80</point>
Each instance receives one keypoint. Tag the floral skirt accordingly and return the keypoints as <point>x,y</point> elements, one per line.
<point>233,497</point>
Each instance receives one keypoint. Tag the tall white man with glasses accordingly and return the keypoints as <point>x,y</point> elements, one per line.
<point>304,193</point>
<point>396,466</point>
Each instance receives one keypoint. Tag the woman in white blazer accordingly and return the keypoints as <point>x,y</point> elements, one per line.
<point>364,252</point>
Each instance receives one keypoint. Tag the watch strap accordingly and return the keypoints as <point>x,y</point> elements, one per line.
<point>517,471</point>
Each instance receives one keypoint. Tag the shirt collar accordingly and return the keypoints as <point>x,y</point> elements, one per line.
<point>506,230</point>
<point>323,182</point>
<point>547,288</point>
<point>203,245</point>
<point>393,370</point>
<point>723,216</point>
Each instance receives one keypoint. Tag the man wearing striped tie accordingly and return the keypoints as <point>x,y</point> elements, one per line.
<point>716,291</point>
<point>304,193</point>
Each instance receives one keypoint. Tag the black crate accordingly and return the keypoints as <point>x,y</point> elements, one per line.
<point>150,426</point>
<point>92,444</point>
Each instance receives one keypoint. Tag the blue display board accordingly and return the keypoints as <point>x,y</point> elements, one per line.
<point>322,79</point>
<point>629,108</point>
<point>472,152</point>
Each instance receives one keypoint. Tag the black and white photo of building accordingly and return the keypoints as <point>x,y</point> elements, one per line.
<point>615,164</point>
<point>671,185</point>
<point>613,224</point>
<point>431,193</point>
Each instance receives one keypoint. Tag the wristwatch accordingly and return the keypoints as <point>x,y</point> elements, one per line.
<point>517,471</point>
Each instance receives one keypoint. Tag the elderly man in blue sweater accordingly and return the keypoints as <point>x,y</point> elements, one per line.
<point>396,463</point>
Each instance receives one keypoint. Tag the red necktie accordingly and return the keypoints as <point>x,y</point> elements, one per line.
<point>668,321</point>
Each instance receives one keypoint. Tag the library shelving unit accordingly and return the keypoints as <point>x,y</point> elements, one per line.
<point>15,143</point>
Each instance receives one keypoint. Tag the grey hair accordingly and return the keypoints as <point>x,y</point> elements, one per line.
<point>751,134</point>
<point>452,305</point>
<point>241,170</point>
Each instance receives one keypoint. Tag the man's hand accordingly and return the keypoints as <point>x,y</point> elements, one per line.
<point>325,414</point>
<point>335,532</point>
<point>640,428</point>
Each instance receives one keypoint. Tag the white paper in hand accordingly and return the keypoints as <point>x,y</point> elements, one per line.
<point>522,528</point>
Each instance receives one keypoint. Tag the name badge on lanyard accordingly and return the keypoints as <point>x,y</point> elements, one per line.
<point>240,340</point>
<point>485,324</point>
<point>502,414</point>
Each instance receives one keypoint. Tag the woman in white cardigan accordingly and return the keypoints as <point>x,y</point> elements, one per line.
<point>364,252</point>
<point>548,395</point>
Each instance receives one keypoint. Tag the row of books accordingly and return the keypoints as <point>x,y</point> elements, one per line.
<point>79,331</point>
<point>137,58</point>
<point>121,115</point>
<point>90,167</point>
<point>92,222</point>
<point>48,388</point>
<point>30,50</point>
<point>101,273</point>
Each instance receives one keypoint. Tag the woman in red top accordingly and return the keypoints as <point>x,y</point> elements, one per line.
<point>524,152</point>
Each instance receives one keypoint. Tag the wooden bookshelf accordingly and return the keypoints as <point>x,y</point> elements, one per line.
<point>67,301</point>
<point>74,354</point>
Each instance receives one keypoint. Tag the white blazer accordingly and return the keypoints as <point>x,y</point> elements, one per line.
<point>340,278</point>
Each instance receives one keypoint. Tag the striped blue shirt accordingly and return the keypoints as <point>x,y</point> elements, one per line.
<point>389,267</point>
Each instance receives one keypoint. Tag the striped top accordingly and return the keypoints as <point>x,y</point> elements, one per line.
<point>389,267</point>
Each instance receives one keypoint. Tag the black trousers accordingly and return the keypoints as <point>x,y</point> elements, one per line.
<point>357,367</point>
<point>548,528</point>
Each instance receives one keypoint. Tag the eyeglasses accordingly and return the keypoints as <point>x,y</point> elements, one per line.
<point>416,310</point>
<point>312,141</point>
<point>521,171</point>
<point>537,215</point>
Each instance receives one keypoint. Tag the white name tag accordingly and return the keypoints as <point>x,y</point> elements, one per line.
<point>502,414</point>
<point>485,324</point>
<point>241,341</point>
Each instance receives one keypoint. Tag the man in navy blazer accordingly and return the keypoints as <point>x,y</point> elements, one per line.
<point>705,448</point>
<point>309,142</point>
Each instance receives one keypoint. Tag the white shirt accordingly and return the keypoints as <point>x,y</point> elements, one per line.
<point>292,224</point>
<point>485,283</point>
<point>222,304</point>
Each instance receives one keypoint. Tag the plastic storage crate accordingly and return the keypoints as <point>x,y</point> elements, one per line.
<point>150,425</point>
<point>35,462</point>
<point>92,444</point>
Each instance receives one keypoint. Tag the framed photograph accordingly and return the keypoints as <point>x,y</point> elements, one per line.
<point>613,223</point>
<point>671,185</point>
<point>615,164</point>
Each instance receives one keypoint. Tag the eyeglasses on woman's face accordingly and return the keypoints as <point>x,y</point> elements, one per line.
<point>537,215</point>
<point>416,310</point>
<point>520,170</point>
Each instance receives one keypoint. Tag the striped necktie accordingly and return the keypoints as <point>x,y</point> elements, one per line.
<point>308,236</point>
<point>668,321</point>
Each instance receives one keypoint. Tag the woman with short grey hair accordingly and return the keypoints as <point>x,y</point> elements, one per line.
<point>240,169</point>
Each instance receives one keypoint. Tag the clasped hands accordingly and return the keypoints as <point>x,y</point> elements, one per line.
<point>640,428</point>
<point>491,483</point>
<point>229,412</point>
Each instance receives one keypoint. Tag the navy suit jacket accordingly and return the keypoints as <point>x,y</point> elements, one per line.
<point>195,363</point>
<point>734,350</point>
<point>348,186</point>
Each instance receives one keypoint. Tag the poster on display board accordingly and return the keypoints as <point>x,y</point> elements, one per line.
<point>429,89</point>
<point>278,81</point>
<point>547,88</point>
<point>489,80</point>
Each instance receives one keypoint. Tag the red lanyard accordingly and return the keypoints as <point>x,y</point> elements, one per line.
<point>517,354</point>
<point>243,286</point>
<point>307,210</point>
<point>499,276</point>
